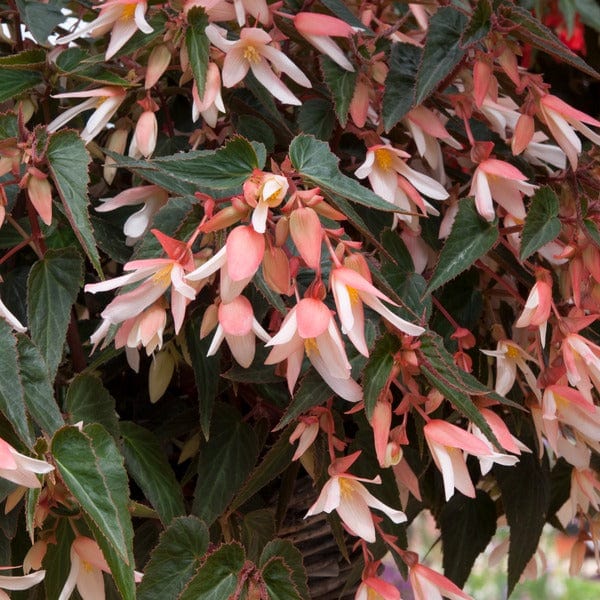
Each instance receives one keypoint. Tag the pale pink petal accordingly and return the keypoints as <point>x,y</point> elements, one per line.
<point>235,67</point>
<point>483,196</point>
<point>71,580</point>
<point>426,185</point>
<point>282,63</point>
<point>311,23</point>
<point>313,317</point>
<point>216,341</point>
<point>306,232</point>
<point>274,85</point>
<point>328,500</point>
<point>140,20</point>
<point>327,46</point>
<point>22,582</point>
<point>243,348</point>
<point>245,249</point>
<point>237,316</point>
<point>355,513</point>
<point>122,31</point>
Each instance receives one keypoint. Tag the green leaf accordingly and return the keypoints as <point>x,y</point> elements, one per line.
<point>37,387</point>
<point>277,577</point>
<point>57,561</point>
<point>274,462</point>
<point>12,400</point>
<point>8,126</point>
<point>592,230</point>
<point>525,491</point>
<point>315,162</point>
<point>77,63</point>
<point>174,561</point>
<point>256,129</point>
<point>341,11</point>
<point>206,372</point>
<point>147,464</point>
<point>292,558</point>
<point>41,17</point>
<point>442,52</point>
<point>225,461</point>
<point>92,469</point>
<point>467,526</point>
<point>52,288</point>
<point>68,161</point>
<point>525,27</point>
<point>89,401</point>
<point>197,46</point>
<point>541,224</point>
<point>316,117</point>
<point>471,237</point>
<point>341,84</point>
<point>399,93</point>
<point>479,24</point>
<point>28,58</point>
<point>377,371</point>
<point>589,12</point>
<point>15,81</point>
<point>258,528</point>
<point>217,578</point>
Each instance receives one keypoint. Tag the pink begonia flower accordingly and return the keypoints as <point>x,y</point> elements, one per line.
<point>306,431</point>
<point>18,583</point>
<point>345,494</point>
<point>216,10</point>
<point>138,224</point>
<point>538,306</point>
<point>11,319</point>
<point>373,587</point>
<point>106,100</point>
<point>123,17</point>
<point>157,274</point>
<point>310,327</point>
<point>270,191</point>
<point>40,194</point>
<point>350,291</point>
<point>211,103</point>
<point>509,356</point>
<point>428,584</point>
<point>306,232</point>
<point>238,261</point>
<point>21,469</point>
<point>87,565</point>
<point>447,444</point>
<point>582,360</point>
<point>253,52</point>
<point>158,62</point>
<point>393,180</point>
<point>146,133</point>
<point>318,29</point>
<point>561,119</point>
<point>498,180</point>
<point>239,328</point>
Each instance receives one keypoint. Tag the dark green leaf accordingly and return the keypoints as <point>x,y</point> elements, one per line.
<point>28,58</point>
<point>89,401</point>
<point>316,117</point>
<point>52,288</point>
<point>471,237</point>
<point>147,464</point>
<point>377,371</point>
<point>39,393</point>
<point>258,528</point>
<point>41,17</point>
<point>277,576</point>
<point>225,461</point>
<point>275,461</point>
<point>341,84</point>
<point>399,93</point>
<point>479,24</point>
<point>541,224</point>
<point>57,561</point>
<point>442,52</point>
<point>525,27</point>
<point>525,491</point>
<point>589,12</point>
<point>341,11</point>
<point>15,81</point>
<point>467,525</point>
<point>175,560</point>
<point>197,46</point>
<point>8,126</point>
<point>217,578</point>
<point>257,130</point>
<point>592,230</point>
<point>293,559</point>
<point>206,372</point>
<point>315,162</point>
<point>68,161</point>
<point>12,401</point>
<point>92,469</point>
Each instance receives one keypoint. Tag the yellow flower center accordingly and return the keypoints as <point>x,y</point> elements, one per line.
<point>128,12</point>
<point>251,54</point>
<point>346,488</point>
<point>163,277</point>
<point>87,566</point>
<point>384,159</point>
<point>310,346</point>
<point>512,352</point>
<point>354,297</point>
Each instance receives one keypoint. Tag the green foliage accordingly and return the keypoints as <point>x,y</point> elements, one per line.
<point>378,370</point>
<point>197,46</point>
<point>16,81</point>
<point>341,84</point>
<point>542,224</point>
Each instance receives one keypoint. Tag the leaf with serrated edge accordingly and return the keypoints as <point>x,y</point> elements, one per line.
<point>217,578</point>
<point>15,81</point>
<point>197,46</point>
<point>150,469</point>
<point>341,84</point>
<point>277,577</point>
<point>292,558</point>
<point>12,400</point>
<point>541,224</point>
<point>88,400</point>
<point>442,52</point>
<point>93,471</point>
<point>471,237</point>
<point>175,559</point>
<point>68,161</point>
<point>315,162</point>
<point>377,371</point>
<point>226,460</point>
<point>39,393</point>
<point>479,24</point>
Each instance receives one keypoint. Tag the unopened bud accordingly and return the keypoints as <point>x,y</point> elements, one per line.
<point>160,374</point>
<point>159,60</point>
<point>40,194</point>
<point>146,133</point>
